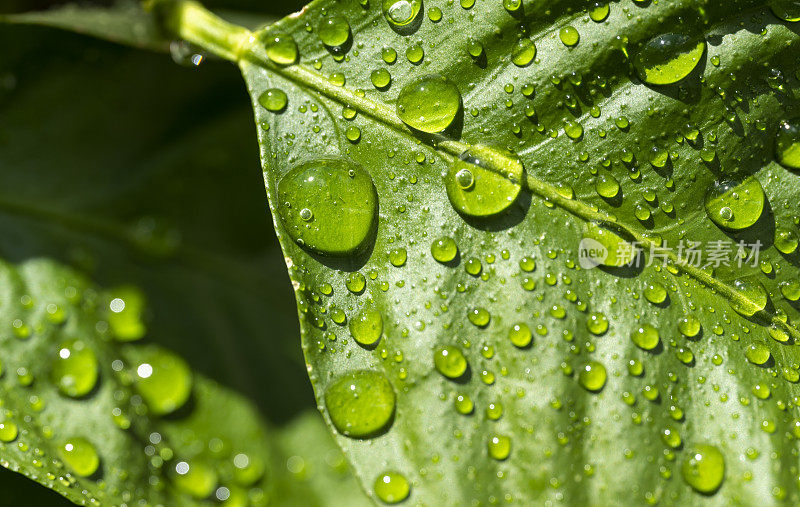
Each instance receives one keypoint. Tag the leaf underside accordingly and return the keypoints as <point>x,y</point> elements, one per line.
<point>567,444</point>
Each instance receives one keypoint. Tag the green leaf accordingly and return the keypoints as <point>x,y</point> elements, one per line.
<point>582,414</point>
<point>100,422</point>
<point>125,22</point>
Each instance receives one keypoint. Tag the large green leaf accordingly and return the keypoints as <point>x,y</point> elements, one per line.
<point>575,438</point>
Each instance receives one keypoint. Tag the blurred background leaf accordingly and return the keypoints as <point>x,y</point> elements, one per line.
<point>136,170</point>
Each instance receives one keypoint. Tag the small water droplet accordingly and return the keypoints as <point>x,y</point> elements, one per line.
<point>391,487</point>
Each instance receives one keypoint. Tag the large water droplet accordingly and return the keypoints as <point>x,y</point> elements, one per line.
<point>80,456</point>
<point>8,431</point>
<point>74,369</point>
<point>484,181</point>
<point>569,35</point>
<point>735,205</point>
<point>752,297</point>
<point>592,376</point>
<point>524,53</point>
<point>360,403</point>
<point>367,327</point>
<point>450,361</point>
<point>787,140</point>
<point>645,337</point>
<point>391,487</point>
<point>273,99</point>
<point>444,249</point>
<point>703,468</point>
<point>334,32</point>
<point>343,204</point>
<point>163,380</point>
<point>429,103</point>
<point>281,49</point>
<point>499,447</point>
<point>668,58</point>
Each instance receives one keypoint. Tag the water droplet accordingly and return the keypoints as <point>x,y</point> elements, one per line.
<point>334,32</point>
<point>450,361</point>
<point>689,326</point>
<point>599,12</point>
<point>125,314</point>
<point>415,53</point>
<point>520,335</point>
<point>735,205</point>
<point>444,249</point>
<point>367,327</point>
<point>391,487</point>
<point>703,468</point>
<point>8,431</point>
<point>499,447</point>
<point>671,437</point>
<point>757,353</point>
<point>484,181</point>
<point>786,240</point>
<point>645,337</point>
<point>197,478</point>
<point>274,100</point>
<point>787,140</point>
<point>655,293</point>
<point>398,257</point>
<point>281,49</point>
<point>569,36</point>
<point>791,290</point>
<point>668,58</point>
<point>787,10</point>
<point>343,202</point>
<point>402,14</point>
<point>80,456</point>
<point>479,316</point>
<point>360,403</point>
<point>512,6</point>
<point>380,78</point>
<point>574,130</point>
<point>524,53</point>
<point>592,376</point>
<point>429,103</point>
<point>355,282</point>
<point>464,404</point>
<point>607,186</point>
<point>163,380</point>
<point>751,297</point>
<point>597,323</point>
<point>74,369</point>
